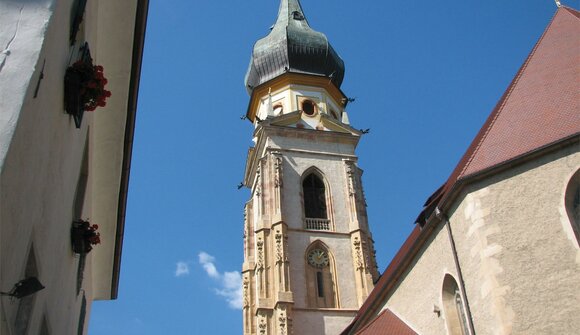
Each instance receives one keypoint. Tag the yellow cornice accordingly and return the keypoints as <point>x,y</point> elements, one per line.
<point>291,79</point>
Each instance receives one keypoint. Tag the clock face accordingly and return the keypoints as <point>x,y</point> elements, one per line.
<point>318,258</point>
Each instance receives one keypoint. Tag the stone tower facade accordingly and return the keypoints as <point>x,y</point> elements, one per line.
<point>308,253</point>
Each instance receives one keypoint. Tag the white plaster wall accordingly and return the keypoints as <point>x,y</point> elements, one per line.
<point>40,164</point>
<point>22,33</point>
<point>520,263</point>
<point>420,287</point>
<point>41,153</point>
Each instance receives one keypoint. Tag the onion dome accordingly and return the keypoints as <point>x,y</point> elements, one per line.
<point>292,46</point>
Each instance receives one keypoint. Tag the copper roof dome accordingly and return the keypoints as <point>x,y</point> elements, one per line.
<point>292,46</point>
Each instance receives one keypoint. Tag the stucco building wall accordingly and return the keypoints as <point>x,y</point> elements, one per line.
<point>41,166</point>
<point>420,287</point>
<point>42,152</point>
<point>517,249</point>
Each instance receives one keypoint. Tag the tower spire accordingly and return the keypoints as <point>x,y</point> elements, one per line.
<point>290,10</point>
<point>292,46</point>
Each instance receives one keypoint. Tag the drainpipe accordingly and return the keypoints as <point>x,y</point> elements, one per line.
<point>445,220</point>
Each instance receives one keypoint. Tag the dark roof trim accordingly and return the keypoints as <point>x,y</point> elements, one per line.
<point>136,62</point>
<point>454,190</point>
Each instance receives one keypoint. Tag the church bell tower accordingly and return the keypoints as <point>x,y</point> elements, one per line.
<point>308,252</point>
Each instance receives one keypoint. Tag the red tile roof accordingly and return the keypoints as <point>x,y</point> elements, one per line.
<point>540,108</point>
<point>386,323</point>
<point>542,104</point>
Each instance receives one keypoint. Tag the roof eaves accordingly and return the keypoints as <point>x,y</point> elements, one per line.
<point>455,189</point>
<point>136,62</point>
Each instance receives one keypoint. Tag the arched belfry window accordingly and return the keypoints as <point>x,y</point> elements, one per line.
<point>315,202</point>
<point>314,197</point>
<point>572,200</point>
<point>320,277</point>
<point>454,307</point>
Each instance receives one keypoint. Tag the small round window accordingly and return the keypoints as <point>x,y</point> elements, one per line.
<point>308,107</point>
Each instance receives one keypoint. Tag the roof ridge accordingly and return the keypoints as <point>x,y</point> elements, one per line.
<point>572,11</point>
<point>501,104</point>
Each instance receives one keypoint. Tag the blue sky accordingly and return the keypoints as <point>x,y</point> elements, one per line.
<point>425,75</point>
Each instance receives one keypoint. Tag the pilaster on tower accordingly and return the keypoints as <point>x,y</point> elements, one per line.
<point>308,251</point>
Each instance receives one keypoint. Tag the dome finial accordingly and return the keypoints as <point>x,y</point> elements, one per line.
<point>290,10</point>
<point>292,46</point>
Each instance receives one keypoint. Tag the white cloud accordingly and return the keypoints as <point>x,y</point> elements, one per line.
<point>206,260</point>
<point>182,269</point>
<point>230,282</point>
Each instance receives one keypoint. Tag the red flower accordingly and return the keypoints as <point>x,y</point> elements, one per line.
<point>92,87</point>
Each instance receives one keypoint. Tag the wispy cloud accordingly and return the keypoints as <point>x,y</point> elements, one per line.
<point>230,282</point>
<point>207,261</point>
<point>182,269</point>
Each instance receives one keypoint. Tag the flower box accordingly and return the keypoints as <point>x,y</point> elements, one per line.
<point>84,86</point>
<point>84,236</point>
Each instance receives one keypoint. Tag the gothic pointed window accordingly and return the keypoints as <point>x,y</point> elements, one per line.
<point>572,200</point>
<point>454,307</point>
<point>315,203</point>
<point>320,278</point>
<point>314,197</point>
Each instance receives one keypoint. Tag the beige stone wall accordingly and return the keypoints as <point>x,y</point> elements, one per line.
<point>314,322</point>
<point>519,257</point>
<point>420,288</point>
<point>338,241</point>
<point>517,251</point>
<point>284,156</point>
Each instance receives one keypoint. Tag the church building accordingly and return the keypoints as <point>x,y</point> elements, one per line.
<point>495,249</point>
